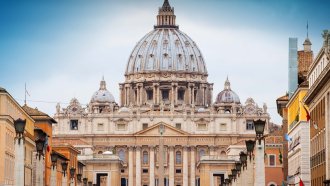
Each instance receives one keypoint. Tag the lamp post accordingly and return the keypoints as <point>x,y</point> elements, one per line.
<point>72,174</point>
<point>40,140</point>
<point>19,125</point>
<point>64,165</point>
<point>250,147</point>
<point>85,180</point>
<point>53,157</point>
<point>234,173</point>
<point>243,159</point>
<point>259,126</point>
<point>238,167</point>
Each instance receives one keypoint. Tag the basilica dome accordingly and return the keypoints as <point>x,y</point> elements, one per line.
<point>166,49</point>
<point>227,95</point>
<point>102,95</point>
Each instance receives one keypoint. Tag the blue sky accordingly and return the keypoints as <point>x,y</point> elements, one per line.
<point>61,49</point>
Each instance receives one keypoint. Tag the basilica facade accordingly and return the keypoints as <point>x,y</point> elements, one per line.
<point>166,126</point>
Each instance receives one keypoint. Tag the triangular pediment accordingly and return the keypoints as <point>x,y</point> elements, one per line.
<point>154,130</point>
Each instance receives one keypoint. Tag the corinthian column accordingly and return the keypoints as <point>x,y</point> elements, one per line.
<point>152,166</point>
<point>192,166</point>
<point>185,166</point>
<point>171,166</point>
<point>130,167</point>
<point>138,166</point>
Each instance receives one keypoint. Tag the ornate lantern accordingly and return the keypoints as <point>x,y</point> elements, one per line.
<point>79,177</point>
<point>53,157</point>
<point>64,167</point>
<point>19,128</point>
<point>40,142</point>
<point>238,166</point>
<point>85,180</point>
<point>250,147</point>
<point>243,158</point>
<point>72,171</point>
<point>40,148</point>
<point>227,181</point>
<point>230,178</point>
<point>234,172</point>
<point>259,126</point>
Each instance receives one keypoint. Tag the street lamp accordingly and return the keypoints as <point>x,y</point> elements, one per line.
<point>243,158</point>
<point>40,141</point>
<point>250,147</point>
<point>64,167</point>
<point>85,180</point>
<point>238,166</point>
<point>231,177</point>
<point>79,177</point>
<point>259,126</point>
<point>53,157</point>
<point>227,181</point>
<point>72,171</point>
<point>234,173</point>
<point>19,128</point>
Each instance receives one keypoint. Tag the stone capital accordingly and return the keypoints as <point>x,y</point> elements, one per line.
<point>155,84</point>
<point>186,147</point>
<point>193,148</point>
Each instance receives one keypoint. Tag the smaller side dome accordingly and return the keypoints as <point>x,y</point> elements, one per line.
<point>227,95</point>
<point>102,95</point>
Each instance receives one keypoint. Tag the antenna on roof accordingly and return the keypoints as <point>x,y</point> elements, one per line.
<point>26,93</point>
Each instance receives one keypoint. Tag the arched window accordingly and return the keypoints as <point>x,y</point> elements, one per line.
<point>178,157</point>
<point>121,154</point>
<point>145,157</point>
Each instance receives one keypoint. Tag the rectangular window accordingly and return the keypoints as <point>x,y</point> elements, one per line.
<point>271,160</point>
<point>121,126</point>
<point>223,126</point>
<point>249,125</point>
<point>100,127</point>
<point>178,171</point>
<point>201,126</point>
<point>145,170</point>
<point>150,95</point>
<point>165,95</point>
<point>144,126</point>
<point>74,124</point>
<point>178,125</point>
<point>180,95</point>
